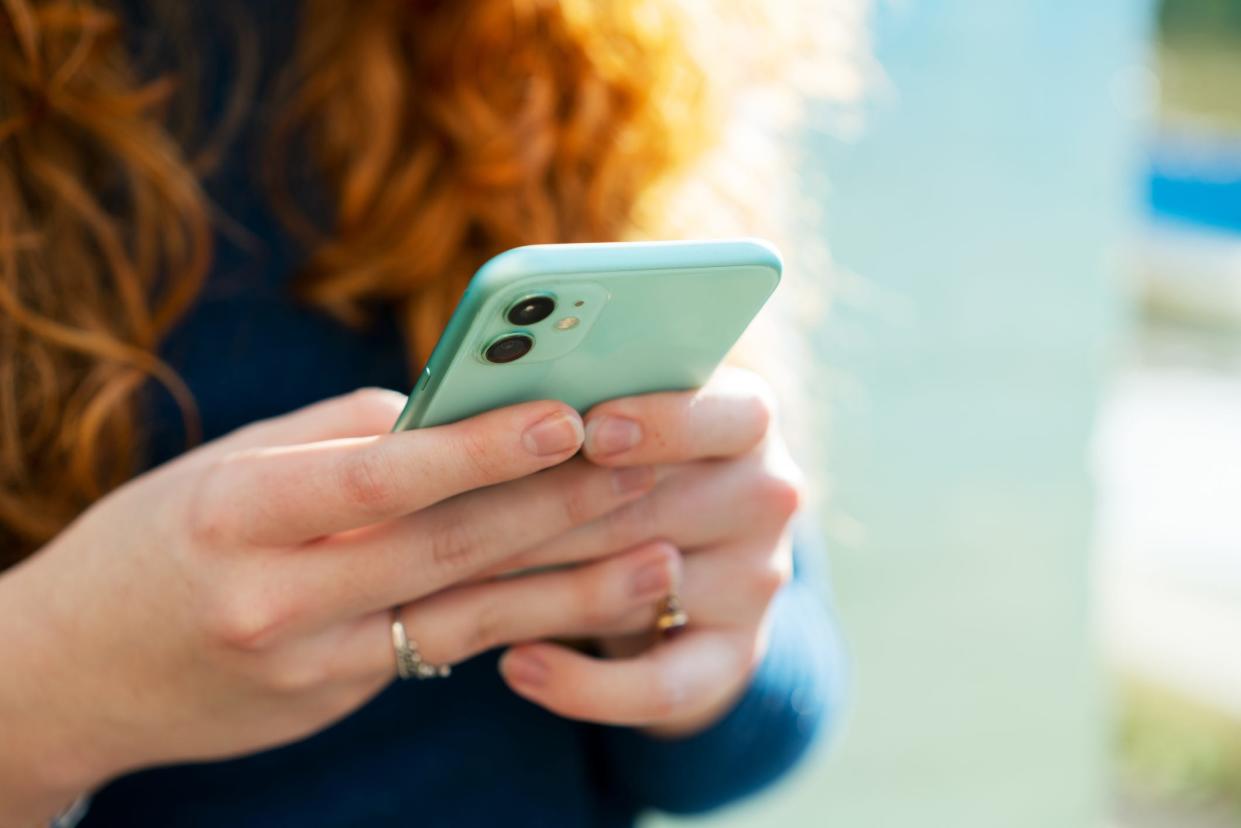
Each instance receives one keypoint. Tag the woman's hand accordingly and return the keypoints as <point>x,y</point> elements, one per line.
<point>727,492</point>
<point>239,597</point>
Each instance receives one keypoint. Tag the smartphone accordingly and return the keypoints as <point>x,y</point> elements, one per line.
<point>585,323</point>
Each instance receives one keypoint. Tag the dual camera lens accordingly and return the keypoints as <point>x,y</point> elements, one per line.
<point>508,348</point>
<point>528,311</point>
<point>531,310</point>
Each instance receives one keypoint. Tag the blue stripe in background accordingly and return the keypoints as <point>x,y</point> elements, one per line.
<point>1196,181</point>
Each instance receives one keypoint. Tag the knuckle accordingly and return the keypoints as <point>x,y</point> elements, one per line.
<point>578,501</point>
<point>243,618</point>
<point>780,494</point>
<point>591,606</point>
<point>487,630</point>
<point>636,521</point>
<point>454,545</point>
<point>478,454</point>
<point>766,581</point>
<point>365,478</point>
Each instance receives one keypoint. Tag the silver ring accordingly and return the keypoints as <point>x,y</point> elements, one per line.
<point>409,663</point>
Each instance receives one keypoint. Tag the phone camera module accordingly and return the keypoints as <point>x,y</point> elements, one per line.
<point>531,310</point>
<point>509,348</point>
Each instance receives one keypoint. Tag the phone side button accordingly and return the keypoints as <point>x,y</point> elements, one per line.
<point>423,380</point>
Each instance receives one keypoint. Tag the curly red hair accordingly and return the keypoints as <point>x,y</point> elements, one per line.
<point>444,132</point>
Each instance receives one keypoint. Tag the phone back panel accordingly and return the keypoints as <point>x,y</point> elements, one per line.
<point>630,318</point>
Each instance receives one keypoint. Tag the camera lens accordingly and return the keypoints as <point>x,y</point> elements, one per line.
<point>509,348</point>
<point>531,310</point>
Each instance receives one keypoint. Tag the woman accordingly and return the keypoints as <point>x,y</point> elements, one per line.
<point>205,637</point>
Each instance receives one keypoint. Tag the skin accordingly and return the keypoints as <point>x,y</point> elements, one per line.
<point>239,597</point>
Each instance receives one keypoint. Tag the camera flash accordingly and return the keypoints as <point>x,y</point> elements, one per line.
<point>567,323</point>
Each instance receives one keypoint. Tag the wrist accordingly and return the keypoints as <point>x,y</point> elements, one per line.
<point>43,767</point>
<point>23,809</point>
<point>37,784</point>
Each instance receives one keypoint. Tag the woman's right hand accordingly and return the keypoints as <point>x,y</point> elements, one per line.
<point>238,597</point>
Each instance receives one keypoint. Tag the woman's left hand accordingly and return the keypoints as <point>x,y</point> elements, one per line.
<point>727,491</point>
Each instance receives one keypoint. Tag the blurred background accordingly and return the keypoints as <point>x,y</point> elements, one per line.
<point>1032,368</point>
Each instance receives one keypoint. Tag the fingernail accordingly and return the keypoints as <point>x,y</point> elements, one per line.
<point>652,579</point>
<point>632,479</point>
<point>554,434</point>
<point>525,669</point>
<point>612,435</point>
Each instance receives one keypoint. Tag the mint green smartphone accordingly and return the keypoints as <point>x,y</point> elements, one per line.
<point>585,323</point>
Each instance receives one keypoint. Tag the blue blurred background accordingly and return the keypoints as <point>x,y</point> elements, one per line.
<point>1031,371</point>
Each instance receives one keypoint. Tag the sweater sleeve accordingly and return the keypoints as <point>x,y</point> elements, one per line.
<point>792,700</point>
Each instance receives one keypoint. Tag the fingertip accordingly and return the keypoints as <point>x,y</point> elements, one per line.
<point>523,669</point>
<point>532,668</point>
<point>552,430</point>
<point>609,437</point>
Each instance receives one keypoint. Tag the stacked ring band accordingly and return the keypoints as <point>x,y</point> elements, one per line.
<point>409,662</point>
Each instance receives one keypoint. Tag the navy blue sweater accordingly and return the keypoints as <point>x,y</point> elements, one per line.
<point>464,751</point>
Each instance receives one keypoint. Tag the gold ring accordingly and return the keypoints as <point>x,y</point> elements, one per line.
<point>671,617</point>
<point>409,662</point>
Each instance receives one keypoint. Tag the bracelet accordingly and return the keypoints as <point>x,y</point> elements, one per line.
<point>71,816</point>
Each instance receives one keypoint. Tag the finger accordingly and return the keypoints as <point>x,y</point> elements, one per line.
<point>735,585</point>
<point>677,678</point>
<point>456,624</point>
<point>422,553</point>
<point>360,413</point>
<point>283,495</point>
<point>726,587</point>
<point>727,417</point>
<point>701,504</point>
